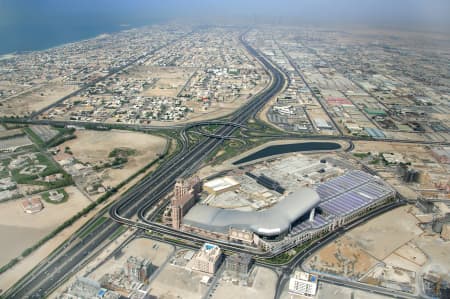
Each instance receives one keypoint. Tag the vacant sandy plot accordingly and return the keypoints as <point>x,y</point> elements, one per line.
<point>16,239</point>
<point>383,235</point>
<point>169,81</point>
<point>412,253</point>
<point>385,238</point>
<point>95,146</point>
<point>162,81</point>
<point>176,282</point>
<point>138,248</point>
<point>400,262</point>
<point>401,249</point>
<point>375,146</point>
<point>342,257</point>
<point>438,252</point>
<point>392,277</point>
<point>19,230</point>
<point>263,287</point>
<point>35,99</point>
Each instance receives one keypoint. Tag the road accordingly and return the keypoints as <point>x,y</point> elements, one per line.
<point>191,160</point>
<point>298,71</point>
<point>60,265</point>
<point>298,260</point>
<point>150,128</point>
<point>48,275</point>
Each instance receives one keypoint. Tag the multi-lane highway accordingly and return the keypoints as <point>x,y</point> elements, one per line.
<point>145,195</point>
<point>40,282</point>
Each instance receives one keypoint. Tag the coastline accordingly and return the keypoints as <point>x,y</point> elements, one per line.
<point>8,56</point>
<point>118,28</point>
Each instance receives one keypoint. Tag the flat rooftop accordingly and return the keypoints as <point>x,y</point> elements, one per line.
<point>221,183</point>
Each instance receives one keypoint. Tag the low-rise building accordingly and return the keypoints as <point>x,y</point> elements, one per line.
<point>322,124</point>
<point>302,284</point>
<point>55,195</point>
<point>207,259</point>
<point>53,177</point>
<point>393,158</point>
<point>32,205</point>
<point>7,184</point>
<point>220,185</point>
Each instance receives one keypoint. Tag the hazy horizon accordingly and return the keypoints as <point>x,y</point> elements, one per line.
<point>29,25</point>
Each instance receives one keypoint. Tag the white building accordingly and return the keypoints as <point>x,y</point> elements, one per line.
<point>207,259</point>
<point>220,185</point>
<point>303,284</point>
<point>322,124</point>
<point>284,110</point>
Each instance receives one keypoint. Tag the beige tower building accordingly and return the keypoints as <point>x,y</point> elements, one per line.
<point>185,192</point>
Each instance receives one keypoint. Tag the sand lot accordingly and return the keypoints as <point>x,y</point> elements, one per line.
<point>175,282</point>
<point>373,146</point>
<point>35,99</point>
<point>412,253</point>
<point>94,146</point>
<point>16,239</point>
<point>138,248</point>
<point>343,256</point>
<point>438,251</point>
<point>164,81</point>
<point>19,230</point>
<point>393,241</point>
<point>263,287</point>
<point>383,235</point>
<point>169,80</point>
<point>384,238</point>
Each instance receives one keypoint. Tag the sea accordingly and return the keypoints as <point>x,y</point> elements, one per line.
<point>19,38</point>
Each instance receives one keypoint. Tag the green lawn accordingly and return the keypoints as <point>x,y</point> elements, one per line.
<point>122,152</point>
<point>288,255</point>
<point>46,197</point>
<point>5,172</point>
<point>97,222</point>
<point>34,137</point>
<point>51,168</point>
<point>118,232</point>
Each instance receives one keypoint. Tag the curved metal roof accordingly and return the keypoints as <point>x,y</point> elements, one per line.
<point>269,222</point>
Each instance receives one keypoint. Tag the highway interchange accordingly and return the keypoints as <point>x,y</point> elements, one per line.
<point>43,279</point>
<point>68,259</point>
